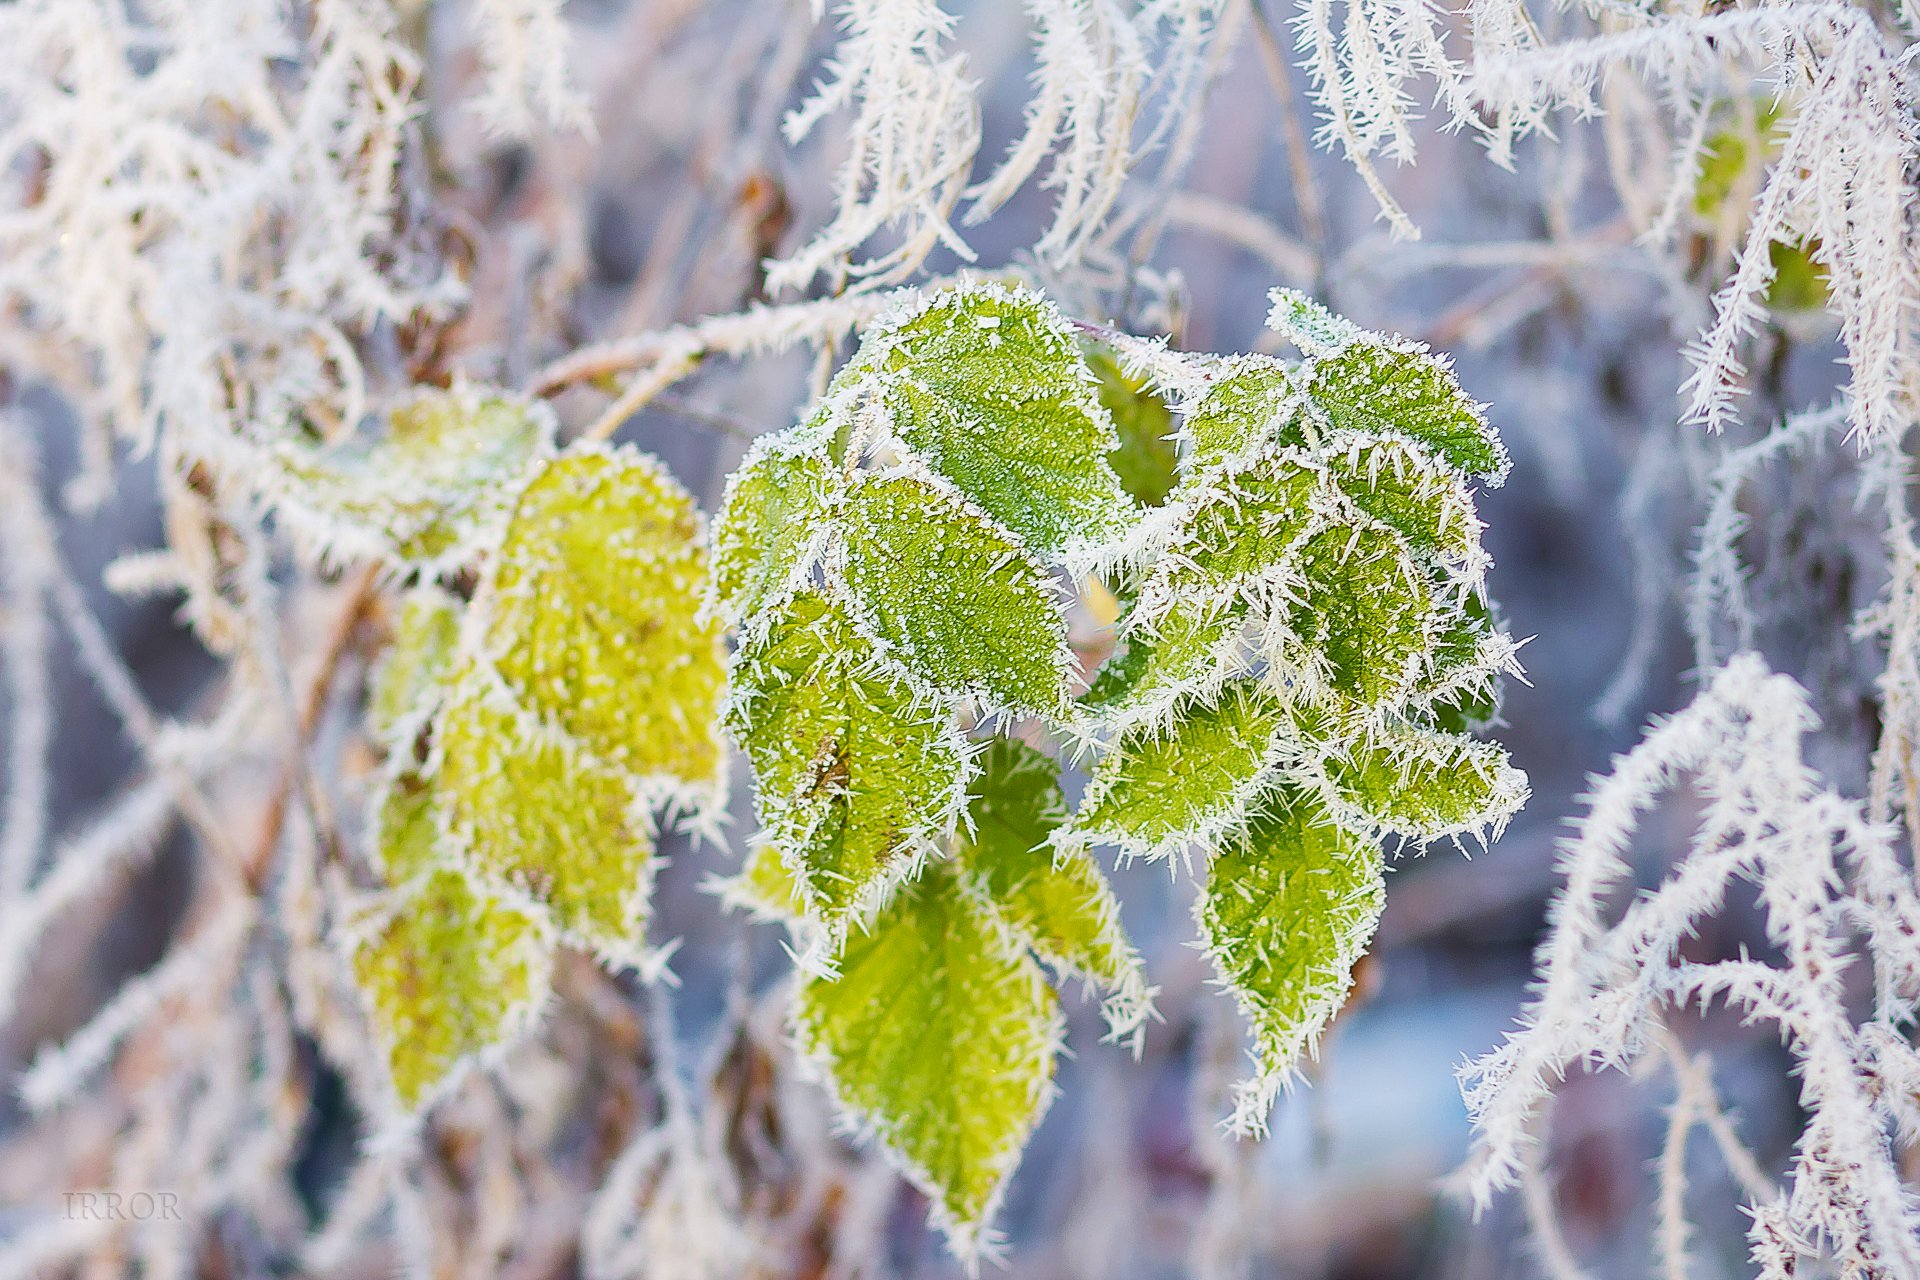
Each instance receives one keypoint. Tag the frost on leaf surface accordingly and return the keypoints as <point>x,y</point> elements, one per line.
<point>857,777</point>
<point>532,814</point>
<point>774,506</point>
<point>1247,522</point>
<point>1193,646</point>
<point>939,1034</point>
<point>1052,896</point>
<point>1291,903</point>
<point>450,973</point>
<point>765,885</point>
<point>1405,488</point>
<point>410,676</point>
<point>988,386</point>
<point>1250,401</point>
<point>593,616</point>
<point>953,595</point>
<point>1382,388</point>
<point>407,829</point>
<point>431,490</point>
<point>1365,615</point>
<point>1164,786</point>
<point>1421,784</point>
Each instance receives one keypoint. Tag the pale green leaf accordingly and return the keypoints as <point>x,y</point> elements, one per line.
<point>1052,896</point>
<point>1365,617</point>
<point>409,681</point>
<point>451,973</point>
<point>988,386</point>
<point>536,816</point>
<point>1381,388</point>
<point>961,604</point>
<point>857,778</point>
<point>1248,405</point>
<point>1247,521</point>
<point>1418,783</point>
<point>774,507</point>
<point>594,616</point>
<point>1161,786</point>
<point>433,489</point>
<point>1291,902</point>
<point>1192,646</point>
<point>939,1034</point>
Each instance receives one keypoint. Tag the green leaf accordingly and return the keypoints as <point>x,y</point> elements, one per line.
<point>407,686</point>
<point>987,385</point>
<point>1312,328</point>
<point>1404,487</point>
<point>1051,895</point>
<point>939,1034</point>
<point>1291,902</point>
<point>1162,786</point>
<point>961,604</point>
<point>1248,404</point>
<point>1423,784</point>
<point>1365,618</point>
<point>594,618</point>
<point>775,506</point>
<point>406,829</point>
<point>1192,646</point>
<point>1148,459</point>
<point>858,778</point>
<point>1246,522</point>
<point>1380,388</point>
<point>534,815</point>
<point>449,974</point>
<point>431,491</point>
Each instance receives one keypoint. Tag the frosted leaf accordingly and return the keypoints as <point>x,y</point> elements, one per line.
<point>765,885</point>
<point>1291,902</point>
<point>1471,654</point>
<point>1148,459</point>
<point>1165,786</point>
<point>988,386</point>
<point>593,617</point>
<point>1251,401</point>
<point>449,974</point>
<point>1423,784</point>
<point>1385,389</point>
<point>432,491</point>
<point>407,685</point>
<point>1309,326</point>
<point>1193,646</point>
<point>535,816</point>
<point>1365,617</point>
<point>939,1034</point>
<point>953,595</point>
<point>1405,488</point>
<point>857,777</point>
<point>773,510</point>
<point>1246,522</point>
<point>1052,896</point>
<point>406,829</point>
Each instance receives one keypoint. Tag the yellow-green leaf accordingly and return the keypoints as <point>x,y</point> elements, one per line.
<point>594,617</point>
<point>1050,894</point>
<point>955,598</point>
<point>775,506</point>
<point>858,778</point>
<point>1291,902</point>
<point>451,973</point>
<point>939,1035</point>
<point>535,815</point>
